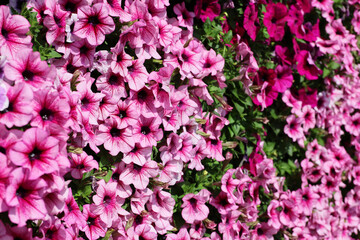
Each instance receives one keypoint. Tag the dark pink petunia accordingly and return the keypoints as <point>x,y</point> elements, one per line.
<point>13,36</point>
<point>284,78</point>
<point>251,21</point>
<point>94,22</point>
<point>275,18</point>
<point>37,152</point>
<point>207,9</point>
<point>306,66</point>
<point>72,5</point>
<point>24,197</point>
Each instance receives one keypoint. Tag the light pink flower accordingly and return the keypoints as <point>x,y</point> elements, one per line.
<point>139,175</point>
<point>107,204</point>
<point>116,138</point>
<point>94,22</point>
<point>14,29</point>
<point>81,163</point>
<point>94,227</point>
<point>194,207</point>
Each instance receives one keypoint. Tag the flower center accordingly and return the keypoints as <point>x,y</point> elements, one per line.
<point>114,132</point>
<point>113,80</point>
<point>35,154</point>
<point>93,20</point>
<point>5,34</point>
<point>107,200</point>
<point>46,114</point>
<point>122,114</point>
<point>28,75</point>
<point>145,130</point>
<point>21,192</point>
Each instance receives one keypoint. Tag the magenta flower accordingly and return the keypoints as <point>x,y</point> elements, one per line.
<point>181,235</point>
<point>24,197</point>
<point>27,67</point>
<point>126,113</point>
<point>13,36</point>
<point>72,5</point>
<point>112,83</point>
<point>139,175</point>
<point>94,22</point>
<point>215,149</point>
<point>306,66</point>
<point>353,124</point>
<point>251,21</point>
<point>275,19</point>
<point>37,152</point>
<point>107,204</point>
<point>81,163</point>
<point>207,9</point>
<point>185,18</point>
<point>194,207</point>
<point>284,78</point>
<point>55,21</point>
<point>94,227</point>
<point>161,202</point>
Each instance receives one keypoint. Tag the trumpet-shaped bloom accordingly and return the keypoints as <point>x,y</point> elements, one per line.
<point>194,207</point>
<point>94,22</point>
<point>13,38</point>
<point>24,197</point>
<point>37,152</point>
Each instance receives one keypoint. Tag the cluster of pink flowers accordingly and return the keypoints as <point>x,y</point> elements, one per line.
<point>134,113</point>
<point>50,113</point>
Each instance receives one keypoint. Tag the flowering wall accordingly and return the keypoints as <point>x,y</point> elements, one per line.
<point>161,119</point>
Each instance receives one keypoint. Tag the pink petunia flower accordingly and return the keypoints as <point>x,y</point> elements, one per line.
<point>94,227</point>
<point>81,163</point>
<point>72,213</point>
<point>112,83</point>
<point>306,66</point>
<point>107,204</point>
<point>139,175</point>
<point>83,53</point>
<point>251,21</point>
<point>116,138</point>
<point>36,152</point>
<point>194,207</point>
<point>147,132</point>
<point>19,111</point>
<point>49,108</point>
<point>24,197</point>
<point>55,21</point>
<point>120,60</point>
<point>27,67</point>
<point>94,22</point>
<point>13,36</point>
<point>275,18</point>
<point>185,18</point>
<point>293,128</point>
